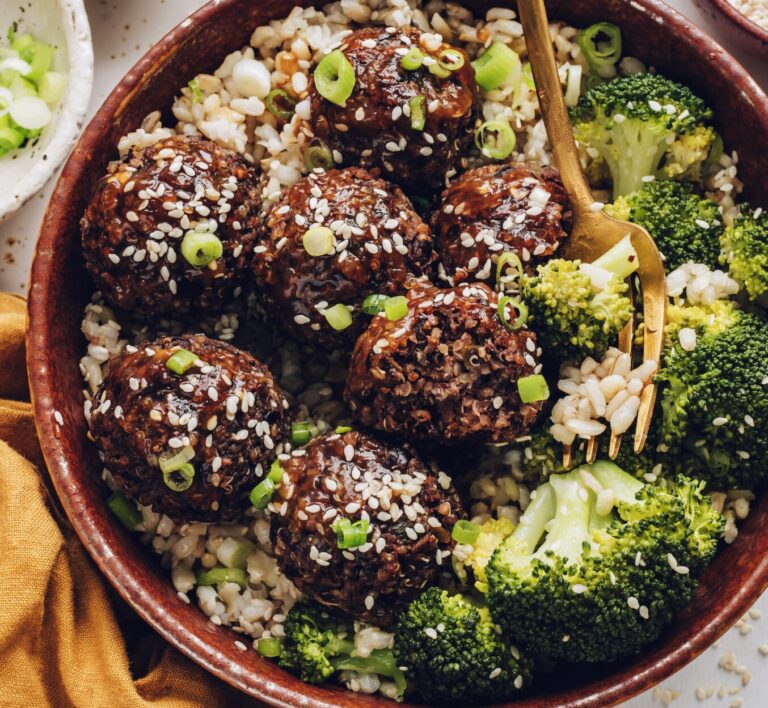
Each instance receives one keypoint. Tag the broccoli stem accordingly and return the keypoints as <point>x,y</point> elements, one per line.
<point>537,515</point>
<point>380,661</point>
<point>569,530</point>
<point>635,152</point>
<point>621,259</point>
<point>624,486</point>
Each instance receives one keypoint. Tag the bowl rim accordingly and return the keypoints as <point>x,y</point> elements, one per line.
<point>741,20</point>
<point>604,691</point>
<point>77,33</point>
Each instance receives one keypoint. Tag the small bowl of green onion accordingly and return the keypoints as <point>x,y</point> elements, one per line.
<point>46,75</point>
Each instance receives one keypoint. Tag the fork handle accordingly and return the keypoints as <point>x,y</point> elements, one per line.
<point>533,16</point>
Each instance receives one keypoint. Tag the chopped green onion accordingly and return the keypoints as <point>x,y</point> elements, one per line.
<point>30,112</point>
<point>214,576</point>
<point>495,65</point>
<point>395,308</point>
<point>339,317</point>
<point>495,139</point>
<point>601,46</point>
<point>300,433</point>
<point>234,552</point>
<point>435,69</point>
<point>10,139</point>
<point>465,531</point>
<point>573,85</point>
<point>125,511</point>
<point>418,115</point>
<point>533,388</point>
<point>374,304</point>
<point>276,472</point>
<point>348,534</point>
<point>341,429</point>
<point>451,59</point>
<point>51,87</point>
<point>528,76</point>
<point>172,460</point>
<point>318,241</point>
<point>318,156</point>
<point>413,59</point>
<point>715,152</point>
<point>280,104</point>
<point>621,259</point>
<point>262,493</point>
<point>508,259</point>
<point>199,248</point>
<point>181,361</point>
<point>194,87</point>
<point>270,647</point>
<point>335,78</point>
<point>180,479</point>
<point>520,307</point>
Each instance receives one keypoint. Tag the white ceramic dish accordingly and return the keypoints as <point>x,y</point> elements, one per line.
<point>64,24</point>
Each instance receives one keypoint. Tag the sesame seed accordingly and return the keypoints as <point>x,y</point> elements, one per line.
<point>431,633</point>
<point>349,453</point>
<point>496,672</point>
<point>369,600</point>
<point>633,603</point>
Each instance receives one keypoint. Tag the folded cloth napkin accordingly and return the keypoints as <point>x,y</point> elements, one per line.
<point>60,642</point>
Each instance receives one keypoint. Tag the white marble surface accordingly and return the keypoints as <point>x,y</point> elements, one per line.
<point>122,32</point>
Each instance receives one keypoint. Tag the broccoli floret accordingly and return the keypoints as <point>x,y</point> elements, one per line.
<point>580,583</point>
<point>452,653</point>
<point>714,399</point>
<point>317,645</point>
<point>686,227</point>
<point>638,125</point>
<point>490,535</point>
<point>745,251</point>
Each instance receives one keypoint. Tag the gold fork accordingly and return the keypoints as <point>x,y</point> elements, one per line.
<point>594,232</point>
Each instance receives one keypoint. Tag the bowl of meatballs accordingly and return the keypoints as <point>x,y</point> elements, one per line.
<point>305,352</point>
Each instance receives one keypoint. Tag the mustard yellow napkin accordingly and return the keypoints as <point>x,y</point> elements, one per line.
<point>60,642</point>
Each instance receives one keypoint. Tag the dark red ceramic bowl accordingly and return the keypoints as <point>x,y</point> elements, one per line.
<point>60,288</point>
<point>740,28</point>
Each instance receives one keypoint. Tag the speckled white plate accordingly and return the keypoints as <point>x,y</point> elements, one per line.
<point>64,24</point>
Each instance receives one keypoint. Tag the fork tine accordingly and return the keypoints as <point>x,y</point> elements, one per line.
<point>591,449</point>
<point>626,337</point>
<point>567,456</point>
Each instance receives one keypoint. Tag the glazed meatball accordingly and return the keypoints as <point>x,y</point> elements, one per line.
<point>375,243</point>
<point>447,371</point>
<point>410,506</point>
<point>498,208</point>
<point>155,208</point>
<point>377,126</point>
<point>224,415</point>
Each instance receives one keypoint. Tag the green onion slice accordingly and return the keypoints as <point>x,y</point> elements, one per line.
<point>436,69</point>
<point>335,78</point>
<point>533,388</point>
<point>465,531</point>
<point>520,307</point>
<point>318,241</point>
<point>508,260</point>
<point>276,472</point>
<point>300,433</point>
<point>214,576</point>
<point>280,104</point>
<point>349,534</point>
<point>171,460</point>
<point>395,308</point>
<point>181,361</point>
<point>197,94</point>
<point>528,76</point>
<point>418,114</point>
<point>601,45</point>
<point>125,511</point>
<point>573,85</point>
<point>374,304</point>
<point>495,65</point>
<point>317,155</point>
<point>262,493</point>
<point>715,152</point>
<point>339,317</point>
<point>234,552</point>
<point>341,429</point>
<point>413,59</point>
<point>270,647</point>
<point>451,59</point>
<point>495,139</point>
<point>200,248</point>
<point>180,479</point>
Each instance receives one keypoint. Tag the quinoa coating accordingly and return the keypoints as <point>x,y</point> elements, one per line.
<point>411,507</point>
<point>374,128</point>
<point>379,243</point>
<point>447,371</point>
<point>498,208</point>
<point>226,408</point>
<point>146,204</point>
